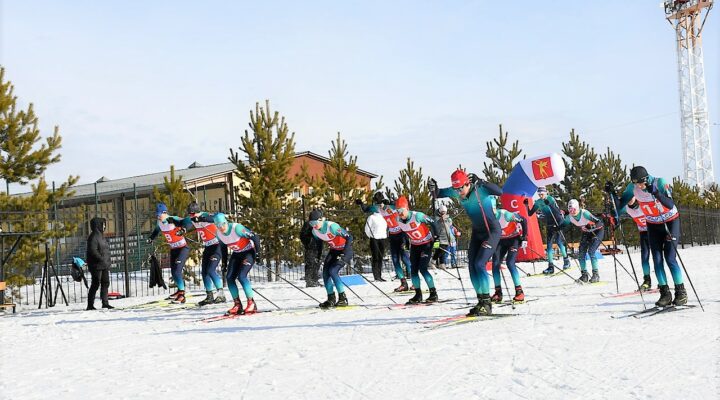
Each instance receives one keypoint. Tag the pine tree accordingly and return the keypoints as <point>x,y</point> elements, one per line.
<point>580,175</point>
<point>502,159</point>
<point>609,168</point>
<point>23,162</point>
<point>413,185</point>
<point>340,175</point>
<point>685,195</point>
<point>712,196</point>
<point>175,196</point>
<point>264,199</point>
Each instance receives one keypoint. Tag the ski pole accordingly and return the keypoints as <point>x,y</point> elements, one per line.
<point>288,282</point>
<point>456,277</point>
<point>507,289</point>
<point>564,240</point>
<point>266,299</point>
<point>351,291</point>
<point>627,250</point>
<point>672,240</point>
<point>368,281</point>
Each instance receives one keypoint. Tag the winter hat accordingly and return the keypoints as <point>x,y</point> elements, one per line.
<point>542,189</point>
<point>219,219</point>
<point>638,174</point>
<point>459,179</point>
<point>161,208</point>
<point>573,206</point>
<point>193,208</point>
<point>402,202</point>
<point>315,215</point>
<point>378,197</point>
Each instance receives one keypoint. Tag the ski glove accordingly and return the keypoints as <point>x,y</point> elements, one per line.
<point>546,201</point>
<point>432,185</point>
<point>610,188</point>
<point>475,179</point>
<point>180,231</point>
<point>526,201</point>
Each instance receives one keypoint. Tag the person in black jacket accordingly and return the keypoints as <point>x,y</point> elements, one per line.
<point>98,260</point>
<point>313,250</point>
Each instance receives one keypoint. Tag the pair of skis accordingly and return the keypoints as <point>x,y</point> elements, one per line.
<point>655,311</point>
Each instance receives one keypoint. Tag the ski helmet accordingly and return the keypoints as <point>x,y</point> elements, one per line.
<point>573,206</point>
<point>160,209</point>
<point>378,197</point>
<point>193,208</point>
<point>315,215</point>
<point>402,202</point>
<point>459,179</point>
<point>638,174</point>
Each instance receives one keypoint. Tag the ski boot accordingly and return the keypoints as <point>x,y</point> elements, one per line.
<point>584,277</point>
<point>681,296</point>
<point>433,298</point>
<point>647,283</point>
<point>250,308</point>
<point>665,296</point>
<point>330,302</point>
<point>519,295</point>
<point>483,307</point>
<point>595,277</point>
<point>497,296</point>
<point>417,299</point>
<point>174,295</point>
<point>342,300</point>
<point>237,308</point>
<point>220,298</point>
<point>209,299</point>
<point>549,270</point>
<point>403,286</point>
<point>109,307</point>
<point>566,262</point>
<point>180,298</point>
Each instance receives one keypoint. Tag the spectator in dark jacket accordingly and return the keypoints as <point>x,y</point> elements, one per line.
<point>98,260</point>
<point>313,251</point>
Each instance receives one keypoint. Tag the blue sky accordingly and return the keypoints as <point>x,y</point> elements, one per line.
<point>136,86</point>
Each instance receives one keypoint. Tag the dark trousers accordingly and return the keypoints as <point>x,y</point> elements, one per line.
<point>377,248</point>
<point>101,279</point>
<point>312,267</point>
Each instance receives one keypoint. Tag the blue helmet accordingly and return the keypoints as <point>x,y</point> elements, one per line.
<point>161,208</point>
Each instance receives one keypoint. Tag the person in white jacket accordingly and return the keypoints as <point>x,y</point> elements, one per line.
<point>376,230</point>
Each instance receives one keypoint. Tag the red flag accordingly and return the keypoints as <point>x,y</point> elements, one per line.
<point>542,168</point>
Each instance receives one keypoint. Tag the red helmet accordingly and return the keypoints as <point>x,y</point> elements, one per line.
<point>459,179</point>
<point>402,202</point>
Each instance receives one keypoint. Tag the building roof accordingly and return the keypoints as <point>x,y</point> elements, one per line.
<point>107,186</point>
<point>327,160</point>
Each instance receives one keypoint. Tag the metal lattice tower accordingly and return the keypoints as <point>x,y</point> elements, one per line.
<point>688,18</point>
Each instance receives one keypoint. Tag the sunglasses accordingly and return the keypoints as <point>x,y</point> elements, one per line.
<point>641,180</point>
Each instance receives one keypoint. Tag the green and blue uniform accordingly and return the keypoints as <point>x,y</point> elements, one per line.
<point>340,254</point>
<point>485,229</point>
<point>421,231</point>
<point>513,227</point>
<point>656,202</point>
<point>553,233</point>
<point>592,235</point>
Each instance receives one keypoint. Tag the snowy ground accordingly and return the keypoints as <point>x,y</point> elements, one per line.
<point>565,345</point>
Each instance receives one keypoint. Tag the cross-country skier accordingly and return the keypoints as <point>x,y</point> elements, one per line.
<point>206,229</point>
<point>422,232</point>
<point>474,195</point>
<point>244,246</point>
<point>513,227</point>
<point>446,238</point>
<point>654,198</point>
<point>340,254</point>
<point>591,239</point>
<point>173,231</point>
<point>638,216</point>
<point>396,237</point>
<point>548,207</point>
